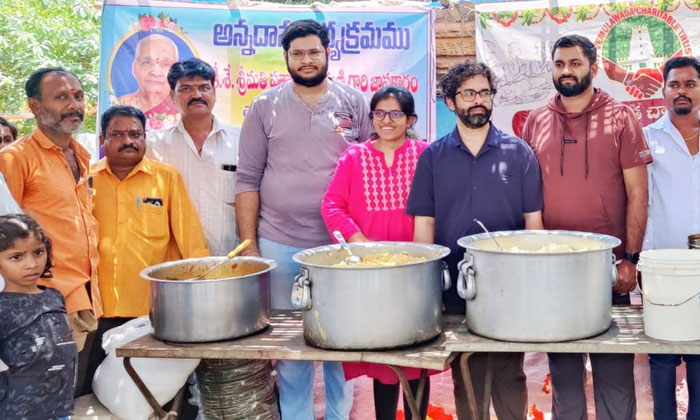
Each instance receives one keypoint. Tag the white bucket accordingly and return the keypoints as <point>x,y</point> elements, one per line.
<point>671,287</point>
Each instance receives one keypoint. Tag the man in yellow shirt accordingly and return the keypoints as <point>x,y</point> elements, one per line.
<point>144,213</point>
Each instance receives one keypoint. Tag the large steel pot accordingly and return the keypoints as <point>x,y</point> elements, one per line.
<point>534,296</point>
<point>370,307</point>
<point>209,310</point>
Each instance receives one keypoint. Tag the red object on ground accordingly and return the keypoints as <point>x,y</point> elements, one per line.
<point>547,386</point>
<point>434,413</point>
<point>534,414</point>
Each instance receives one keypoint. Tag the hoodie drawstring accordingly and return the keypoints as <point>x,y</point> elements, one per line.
<point>564,141</point>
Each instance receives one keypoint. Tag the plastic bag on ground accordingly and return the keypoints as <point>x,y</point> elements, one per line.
<point>115,389</point>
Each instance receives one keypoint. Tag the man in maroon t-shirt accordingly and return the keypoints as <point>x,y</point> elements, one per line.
<point>593,156</point>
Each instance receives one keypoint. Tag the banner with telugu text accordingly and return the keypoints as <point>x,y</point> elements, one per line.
<point>371,46</point>
<point>633,39</point>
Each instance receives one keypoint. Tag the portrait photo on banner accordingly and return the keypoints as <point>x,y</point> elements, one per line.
<point>138,69</point>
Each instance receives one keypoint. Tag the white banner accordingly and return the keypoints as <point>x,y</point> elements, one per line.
<point>633,41</point>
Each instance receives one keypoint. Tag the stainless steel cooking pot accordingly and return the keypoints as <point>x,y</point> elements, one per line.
<point>209,310</point>
<point>538,296</point>
<point>370,307</point>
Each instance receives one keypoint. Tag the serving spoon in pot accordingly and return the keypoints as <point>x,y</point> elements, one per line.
<point>352,258</point>
<point>478,222</point>
<point>243,245</point>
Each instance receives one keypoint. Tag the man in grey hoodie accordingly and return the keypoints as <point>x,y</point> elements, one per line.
<point>593,156</point>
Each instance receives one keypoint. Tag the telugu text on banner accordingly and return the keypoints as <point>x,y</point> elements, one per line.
<point>371,46</point>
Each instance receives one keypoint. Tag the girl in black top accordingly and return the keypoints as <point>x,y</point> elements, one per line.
<point>37,353</point>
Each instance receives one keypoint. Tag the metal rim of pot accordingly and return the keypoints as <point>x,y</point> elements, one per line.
<point>146,272</point>
<point>465,241</point>
<point>298,258</point>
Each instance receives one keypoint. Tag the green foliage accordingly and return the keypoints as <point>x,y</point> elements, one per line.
<point>43,33</point>
<point>484,19</point>
<point>530,16</point>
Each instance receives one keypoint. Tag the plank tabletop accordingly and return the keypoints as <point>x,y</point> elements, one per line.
<point>283,340</point>
<point>625,335</point>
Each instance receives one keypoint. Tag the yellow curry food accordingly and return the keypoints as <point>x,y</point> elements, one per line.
<point>224,271</point>
<point>383,259</point>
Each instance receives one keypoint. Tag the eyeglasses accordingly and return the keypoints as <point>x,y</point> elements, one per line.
<point>393,115</point>
<point>470,94</point>
<point>300,54</point>
<point>119,135</point>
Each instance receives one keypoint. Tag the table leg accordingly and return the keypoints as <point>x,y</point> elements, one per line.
<point>468,386</point>
<point>144,390</point>
<point>488,382</point>
<point>413,403</point>
<point>177,401</point>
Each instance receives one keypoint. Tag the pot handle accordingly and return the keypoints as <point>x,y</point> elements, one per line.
<point>466,282</point>
<point>301,291</point>
<point>614,271</point>
<point>446,279</point>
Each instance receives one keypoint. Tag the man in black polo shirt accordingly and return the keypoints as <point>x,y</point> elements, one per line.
<point>476,171</point>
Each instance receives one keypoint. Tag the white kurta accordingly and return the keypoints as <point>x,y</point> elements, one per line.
<point>210,177</point>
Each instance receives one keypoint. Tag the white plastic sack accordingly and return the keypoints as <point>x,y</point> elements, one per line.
<point>115,389</point>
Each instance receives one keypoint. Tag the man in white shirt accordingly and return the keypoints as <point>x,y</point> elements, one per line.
<point>203,150</point>
<point>674,209</point>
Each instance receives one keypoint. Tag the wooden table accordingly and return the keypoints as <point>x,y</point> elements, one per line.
<point>625,335</point>
<point>283,340</point>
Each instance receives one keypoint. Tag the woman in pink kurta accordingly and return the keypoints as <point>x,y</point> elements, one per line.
<point>366,201</point>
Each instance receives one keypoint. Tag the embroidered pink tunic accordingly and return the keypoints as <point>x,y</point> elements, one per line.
<point>365,195</point>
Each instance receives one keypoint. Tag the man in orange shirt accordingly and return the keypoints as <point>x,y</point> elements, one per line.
<point>145,216</point>
<point>47,174</point>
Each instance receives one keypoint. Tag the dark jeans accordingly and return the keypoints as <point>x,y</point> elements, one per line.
<point>663,385</point>
<point>386,398</point>
<point>97,354</point>
<point>83,362</point>
<point>508,391</point>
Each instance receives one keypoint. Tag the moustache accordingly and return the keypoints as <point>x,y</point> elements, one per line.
<point>477,107</point>
<point>128,146</point>
<point>197,100</point>
<point>567,77</point>
<point>72,114</point>
<point>681,97</point>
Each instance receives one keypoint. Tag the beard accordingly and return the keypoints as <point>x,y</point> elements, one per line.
<point>474,120</point>
<point>59,123</point>
<point>682,109</point>
<point>576,89</point>
<point>309,81</point>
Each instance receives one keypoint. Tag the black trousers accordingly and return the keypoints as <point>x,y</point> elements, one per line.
<point>95,354</point>
<point>386,398</point>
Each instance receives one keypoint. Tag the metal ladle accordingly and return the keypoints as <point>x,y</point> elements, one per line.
<point>230,255</point>
<point>352,258</point>
<point>478,222</point>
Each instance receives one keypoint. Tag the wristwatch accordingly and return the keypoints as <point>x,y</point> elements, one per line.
<point>632,257</point>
